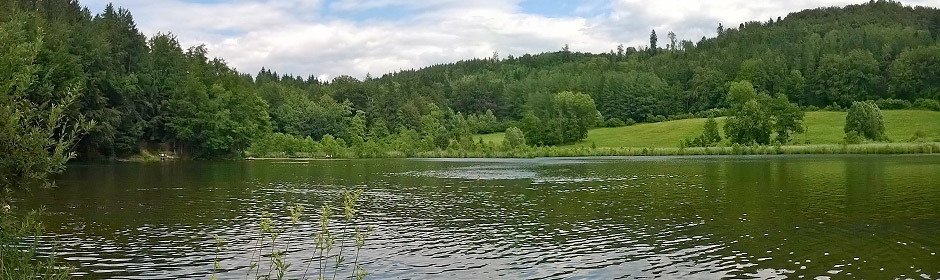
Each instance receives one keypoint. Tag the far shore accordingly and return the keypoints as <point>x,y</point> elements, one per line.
<point>536,152</point>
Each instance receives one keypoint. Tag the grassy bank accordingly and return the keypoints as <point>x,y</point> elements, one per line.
<point>824,135</point>
<point>533,152</point>
<point>821,128</point>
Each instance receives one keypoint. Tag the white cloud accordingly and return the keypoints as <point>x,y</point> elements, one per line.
<point>313,37</point>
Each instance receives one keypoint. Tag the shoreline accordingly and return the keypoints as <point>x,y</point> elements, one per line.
<point>544,152</point>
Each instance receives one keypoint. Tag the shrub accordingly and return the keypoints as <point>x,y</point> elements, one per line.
<point>749,125</point>
<point>929,104</point>
<point>614,122</point>
<point>514,138</point>
<point>655,119</point>
<point>19,256</point>
<point>681,117</point>
<point>711,135</point>
<point>560,118</point>
<point>333,147</point>
<point>711,113</point>
<point>852,137</point>
<point>834,107</point>
<point>919,136</point>
<point>893,104</point>
<point>865,119</point>
<point>280,144</point>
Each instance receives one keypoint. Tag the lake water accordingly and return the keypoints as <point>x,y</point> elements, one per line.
<point>869,217</point>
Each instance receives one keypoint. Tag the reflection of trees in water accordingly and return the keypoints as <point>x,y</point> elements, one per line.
<point>864,186</point>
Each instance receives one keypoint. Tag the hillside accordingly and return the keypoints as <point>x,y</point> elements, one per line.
<point>822,128</point>
<point>152,92</point>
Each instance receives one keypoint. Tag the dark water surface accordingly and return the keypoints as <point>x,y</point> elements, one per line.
<point>869,217</point>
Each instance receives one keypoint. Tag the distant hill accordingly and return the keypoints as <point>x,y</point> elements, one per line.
<point>152,92</point>
<point>816,57</point>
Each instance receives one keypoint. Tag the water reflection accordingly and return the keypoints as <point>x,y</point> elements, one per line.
<point>711,217</point>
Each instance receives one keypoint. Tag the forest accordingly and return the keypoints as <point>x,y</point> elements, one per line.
<point>135,94</point>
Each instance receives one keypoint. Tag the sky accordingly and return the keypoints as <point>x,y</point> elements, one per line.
<point>329,38</point>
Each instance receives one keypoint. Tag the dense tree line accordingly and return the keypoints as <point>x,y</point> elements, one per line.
<point>36,135</point>
<point>153,93</point>
<point>139,91</point>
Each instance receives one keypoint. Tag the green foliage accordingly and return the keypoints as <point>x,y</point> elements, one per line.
<point>750,124</point>
<point>916,73</point>
<point>829,127</point>
<point>298,112</point>
<point>853,137</point>
<point>356,131</point>
<point>332,147</point>
<point>653,39</point>
<point>283,145</point>
<point>865,119</point>
<point>561,118</point>
<point>740,93</point>
<point>710,136</point>
<point>893,104</point>
<point>759,117</point>
<point>767,73</point>
<point>337,243</point>
<point>514,138</point>
<point>614,122</point>
<point>218,113</point>
<point>637,95</point>
<point>36,137</point>
<point>151,92</point>
<point>707,89</point>
<point>841,79</point>
<point>18,256</point>
<point>927,104</point>
<point>787,118</point>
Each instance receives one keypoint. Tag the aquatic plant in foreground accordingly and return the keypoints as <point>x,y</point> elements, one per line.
<point>19,258</point>
<point>268,258</point>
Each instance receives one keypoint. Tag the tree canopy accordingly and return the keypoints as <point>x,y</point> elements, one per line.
<point>153,93</point>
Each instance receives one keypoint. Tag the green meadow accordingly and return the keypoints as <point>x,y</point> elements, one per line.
<point>822,127</point>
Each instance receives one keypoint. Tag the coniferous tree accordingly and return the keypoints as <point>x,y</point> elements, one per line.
<point>653,48</point>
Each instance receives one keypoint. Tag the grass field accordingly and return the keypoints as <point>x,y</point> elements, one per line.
<point>821,128</point>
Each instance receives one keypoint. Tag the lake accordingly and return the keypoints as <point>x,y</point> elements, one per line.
<point>848,216</point>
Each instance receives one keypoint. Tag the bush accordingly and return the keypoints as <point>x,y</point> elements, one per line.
<point>711,113</point>
<point>655,119</point>
<point>893,104</point>
<point>333,147</point>
<point>749,125</point>
<point>711,135</point>
<point>629,122</point>
<point>852,137</point>
<point>929,104</point>
<point>280,144</point>
<point>19,257</point>
<point>513,138</point>
<point>560,118</point>
<point>865,119</point>
<point>919,136</point>
<point>614,122</point>
<point>681,117</point>
<point>833,107</point>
